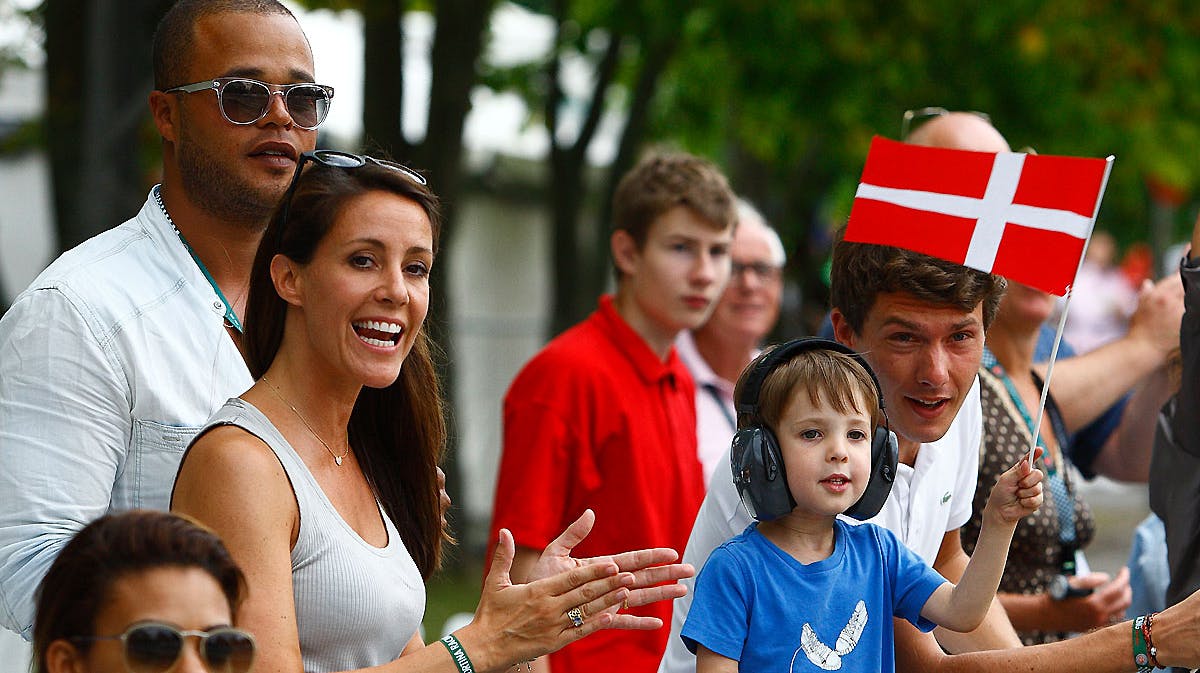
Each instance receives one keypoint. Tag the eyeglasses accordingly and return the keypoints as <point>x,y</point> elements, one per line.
<point>337,159</point>
<point>913,119</point>
<point>761,271</point>
<point>151,647</point>
<point>245,101</point>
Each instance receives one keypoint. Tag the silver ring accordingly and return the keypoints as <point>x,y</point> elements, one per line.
<point>576,617</point>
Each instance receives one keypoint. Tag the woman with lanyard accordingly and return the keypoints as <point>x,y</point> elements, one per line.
<point>321,478</point>
<point>1047,596</point>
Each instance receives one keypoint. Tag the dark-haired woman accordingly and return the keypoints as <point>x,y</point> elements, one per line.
<point>144,592</point>
<point>321,477</point>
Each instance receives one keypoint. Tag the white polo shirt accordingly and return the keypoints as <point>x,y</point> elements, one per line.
<point>927,500</point>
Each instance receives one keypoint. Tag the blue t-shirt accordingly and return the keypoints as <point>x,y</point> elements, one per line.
<point>757,605</point>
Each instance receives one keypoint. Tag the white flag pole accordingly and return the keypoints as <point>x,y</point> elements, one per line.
<point>1062,321</point>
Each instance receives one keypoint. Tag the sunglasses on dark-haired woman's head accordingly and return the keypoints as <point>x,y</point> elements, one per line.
<point>338,159</point>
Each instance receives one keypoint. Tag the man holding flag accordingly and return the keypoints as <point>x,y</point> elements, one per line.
<point>919,321</point>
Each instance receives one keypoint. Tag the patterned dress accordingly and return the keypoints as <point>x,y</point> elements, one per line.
<point>1035,556</point>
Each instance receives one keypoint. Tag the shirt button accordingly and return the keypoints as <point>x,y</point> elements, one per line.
<point>218,306</point>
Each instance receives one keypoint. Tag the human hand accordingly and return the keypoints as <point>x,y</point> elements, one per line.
<point>1159,312</point>
<point>1176,633</point>
<point>519,622</point>
<point>647,566</point>
<point>1105,605</point>
<point>443,496</point>
<point>1017,493</point>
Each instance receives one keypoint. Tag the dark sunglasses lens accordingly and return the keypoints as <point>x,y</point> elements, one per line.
<point>244,101</point>
<point>308,105</point>
<point>152,648</point>
<point>229,651</point>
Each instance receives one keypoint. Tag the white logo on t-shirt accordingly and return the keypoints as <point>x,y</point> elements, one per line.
<point>830,659</point>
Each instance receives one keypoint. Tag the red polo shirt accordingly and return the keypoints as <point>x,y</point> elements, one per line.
<point>597,420</point>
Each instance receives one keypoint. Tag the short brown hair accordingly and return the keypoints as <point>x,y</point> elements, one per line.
<point>175,35</point>
<point>661,182</point>
<point>826,375</point>
<point>115,546</point>
<point>861,271</point>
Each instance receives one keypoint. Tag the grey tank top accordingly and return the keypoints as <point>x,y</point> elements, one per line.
<point>357,605</point>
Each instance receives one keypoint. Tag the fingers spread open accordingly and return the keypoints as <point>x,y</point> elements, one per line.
<point>666,592</point>
<point>572,536</point>
<point>643,558</point>
<point>571,582</point>
<point>502,561</point>
<point>659,574</point>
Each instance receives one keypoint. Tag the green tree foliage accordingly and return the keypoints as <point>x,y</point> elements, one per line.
<point>789,94</point>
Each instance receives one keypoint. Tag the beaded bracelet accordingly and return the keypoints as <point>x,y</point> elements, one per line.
<point>1142,657</point>
<point>458,654</point>
<point>1150,648</point>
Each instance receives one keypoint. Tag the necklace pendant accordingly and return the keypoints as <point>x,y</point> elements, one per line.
<point>338,460</point>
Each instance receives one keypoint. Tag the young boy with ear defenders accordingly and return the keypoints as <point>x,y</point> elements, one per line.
<point>801,589</point>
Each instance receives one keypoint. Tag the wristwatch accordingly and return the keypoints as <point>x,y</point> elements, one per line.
<point>1060,589</point>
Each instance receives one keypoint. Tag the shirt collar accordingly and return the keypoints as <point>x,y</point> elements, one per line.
<point>644,360</point>
<point>702,373</point>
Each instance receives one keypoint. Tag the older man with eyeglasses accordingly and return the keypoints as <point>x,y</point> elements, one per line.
<point>716,352</point>
<point>119,351</point>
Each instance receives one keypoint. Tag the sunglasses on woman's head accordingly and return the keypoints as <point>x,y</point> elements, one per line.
<point>151,647</point>
<point>337,159</point>
<point>245,101</point>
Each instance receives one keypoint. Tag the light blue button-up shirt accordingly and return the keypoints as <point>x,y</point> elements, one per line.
<point>110,362</point>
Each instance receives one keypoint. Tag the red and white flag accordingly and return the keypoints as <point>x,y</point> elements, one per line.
<point>1023,216</point>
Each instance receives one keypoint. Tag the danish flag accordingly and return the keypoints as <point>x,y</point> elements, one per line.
<point>1025,217</point>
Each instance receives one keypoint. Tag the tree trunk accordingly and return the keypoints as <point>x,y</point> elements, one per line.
<point>98,73</point>
<point>383,79</point>
<point>457,44</point>
<point>655,57</point>
<point>573,295</point>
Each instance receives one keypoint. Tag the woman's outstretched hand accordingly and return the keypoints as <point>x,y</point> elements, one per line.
<point>655,576</point>
<point>518,622</point>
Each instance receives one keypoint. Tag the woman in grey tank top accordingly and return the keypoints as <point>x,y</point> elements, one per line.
<point>322,477</point>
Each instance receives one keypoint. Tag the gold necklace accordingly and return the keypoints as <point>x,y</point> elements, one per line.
<point>336,458</point>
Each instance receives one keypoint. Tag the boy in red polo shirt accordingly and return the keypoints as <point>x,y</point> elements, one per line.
<point>604,416</point>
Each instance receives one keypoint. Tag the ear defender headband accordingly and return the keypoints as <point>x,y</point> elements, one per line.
<point>757,460</point>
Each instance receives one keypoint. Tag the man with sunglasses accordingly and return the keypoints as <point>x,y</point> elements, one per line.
<point>120,350</point>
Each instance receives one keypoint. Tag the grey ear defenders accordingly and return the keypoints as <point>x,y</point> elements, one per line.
<point>757,460</point>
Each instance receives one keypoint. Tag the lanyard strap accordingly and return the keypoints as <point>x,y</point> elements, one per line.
<point>716,395</point>
<point>231,318</point>
<point>1056,479</point>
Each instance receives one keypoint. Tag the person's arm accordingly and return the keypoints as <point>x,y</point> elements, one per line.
<point>962,606</point>
<point>1126,454</point>
<point>1108,650</point>
<point>1085,385</point>
<point>995,633</point>
<point>1039,612</point>
<point>65,427</point>
<point>708,661</point>
<point>1184,428</point>
<point>233,483</point>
